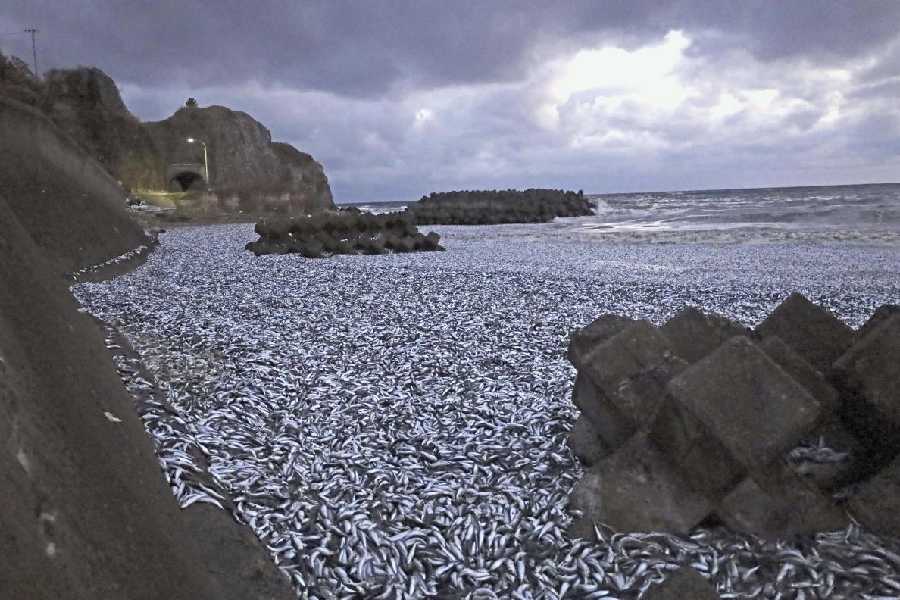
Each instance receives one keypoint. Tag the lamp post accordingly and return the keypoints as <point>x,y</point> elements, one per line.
<point>205,161</point>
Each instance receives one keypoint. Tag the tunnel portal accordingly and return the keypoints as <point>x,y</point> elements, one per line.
<point>186,177</point>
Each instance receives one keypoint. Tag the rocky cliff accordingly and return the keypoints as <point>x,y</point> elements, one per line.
<point>86,104</point>
<point>244,163</point>
<point>247,170</point>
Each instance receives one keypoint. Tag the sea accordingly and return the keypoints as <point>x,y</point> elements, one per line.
<point>849,213</point>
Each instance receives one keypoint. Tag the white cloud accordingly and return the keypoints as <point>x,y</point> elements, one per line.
<point>617,71</point>
<point>601,117</point>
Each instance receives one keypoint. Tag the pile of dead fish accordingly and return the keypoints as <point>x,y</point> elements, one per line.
<point>705,418</point>
<point>395,426</point>
<point>117,260</point>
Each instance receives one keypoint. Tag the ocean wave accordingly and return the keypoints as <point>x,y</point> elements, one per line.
<point>839,207</point>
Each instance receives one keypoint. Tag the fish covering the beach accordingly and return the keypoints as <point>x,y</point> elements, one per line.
<point>395,426</point>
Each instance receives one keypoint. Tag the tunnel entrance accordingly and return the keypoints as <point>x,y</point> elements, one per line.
<point>186,177</point>
<point>186,181</point>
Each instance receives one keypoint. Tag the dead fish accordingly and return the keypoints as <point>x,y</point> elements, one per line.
<point>297,390</point>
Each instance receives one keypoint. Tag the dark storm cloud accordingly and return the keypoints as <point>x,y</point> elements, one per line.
<point>397,99</point>
<point>356,48</point>
<point>368,47</point>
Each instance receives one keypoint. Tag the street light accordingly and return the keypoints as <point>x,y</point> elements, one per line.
<point>205,162</point>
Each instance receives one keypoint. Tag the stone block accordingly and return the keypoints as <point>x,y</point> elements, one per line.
<point>869,375</point>
<point>872,368</point>
<point>694,334</point>
<point>755,409</point>
<point>876,503</point>
<point>881,314</point>
<point>705,464</point>
<point>683,584</point>
<point>812,331</point>
<point>775,503</point>
<point>802,372</point>
<point>585,442</point>
<point>622,381</point>
<point>636,489</point>
<point>637,347</point>
<point>583,340</point>
<point>733,411</point>
<point>640,396</point>
<point>608,422</point>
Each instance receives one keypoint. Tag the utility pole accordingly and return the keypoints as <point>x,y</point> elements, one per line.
<point>33,32</point>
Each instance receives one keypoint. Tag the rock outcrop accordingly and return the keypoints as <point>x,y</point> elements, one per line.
<point>85,103</point>
<point>247,170</point>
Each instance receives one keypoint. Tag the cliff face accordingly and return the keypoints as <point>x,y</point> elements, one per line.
<point>243,161</point>
<point>304,176</point>
<point>18,82</point>
<point>247,170</point>
<point>85,103</point>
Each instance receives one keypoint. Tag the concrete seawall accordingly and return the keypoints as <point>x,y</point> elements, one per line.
<point>70,206</point>
<point>86,512</point>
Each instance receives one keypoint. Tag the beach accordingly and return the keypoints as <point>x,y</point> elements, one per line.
<point>399,422</point>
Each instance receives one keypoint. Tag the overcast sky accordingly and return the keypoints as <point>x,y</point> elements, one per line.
<point>398,99</point>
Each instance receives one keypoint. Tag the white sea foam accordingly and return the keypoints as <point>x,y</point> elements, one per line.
<point>860,213</point>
